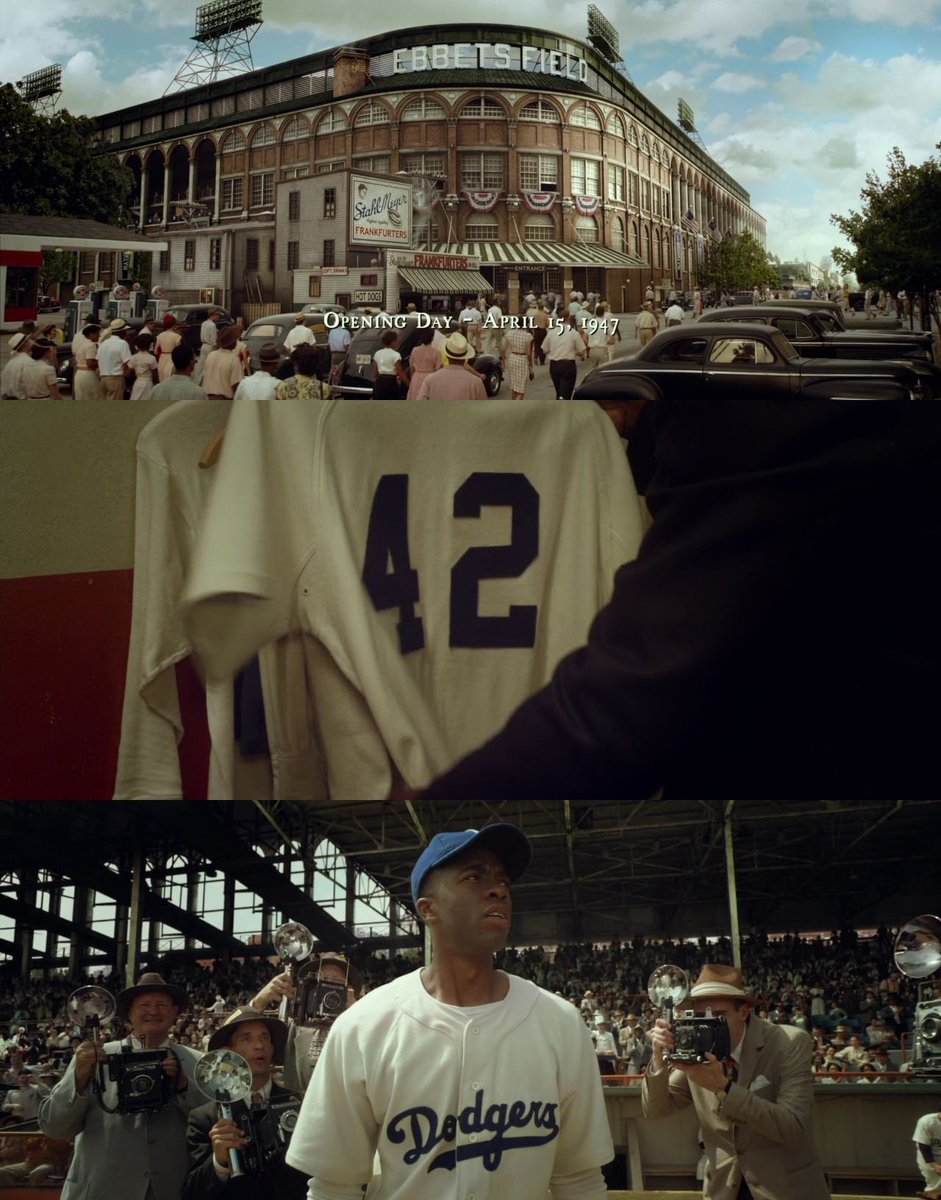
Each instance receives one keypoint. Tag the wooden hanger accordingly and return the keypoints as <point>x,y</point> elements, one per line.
<point>210,456</point>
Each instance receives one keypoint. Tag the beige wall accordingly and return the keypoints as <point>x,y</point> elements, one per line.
<point>67,485</point>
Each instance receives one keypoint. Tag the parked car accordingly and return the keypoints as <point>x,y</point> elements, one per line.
<point>812,334</point>
<point>711,358</point>
<point>276,328</point>
<point>321,306</point>
<point>192,317</point>
<point>840,318</point>
<point>48,304</point>
<point>353,378</point>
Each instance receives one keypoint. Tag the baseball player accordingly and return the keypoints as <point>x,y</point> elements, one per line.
<point>466,1080</point>
<point>927,1139</point>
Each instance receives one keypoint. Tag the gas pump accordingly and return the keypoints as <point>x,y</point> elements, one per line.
<point>118,303</point>
<point>78,312</point>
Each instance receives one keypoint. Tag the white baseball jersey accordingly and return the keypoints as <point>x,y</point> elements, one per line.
<point>490,1102</point>
<point>928,1133</point>
<point>170,503</point>
<point>443,557</point>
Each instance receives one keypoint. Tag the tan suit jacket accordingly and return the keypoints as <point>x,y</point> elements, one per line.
<point>763,1127</point>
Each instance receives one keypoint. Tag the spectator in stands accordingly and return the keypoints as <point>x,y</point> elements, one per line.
<point>606,1049</point>
<point>119,1155</point>
<point>766,1085</point>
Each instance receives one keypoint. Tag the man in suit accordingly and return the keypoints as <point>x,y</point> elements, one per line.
<point>137,1156</point>
<point>260,1040</point>
<point>755,1109</point>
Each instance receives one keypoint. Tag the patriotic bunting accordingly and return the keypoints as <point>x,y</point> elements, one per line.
<point>482,201</point>
<point>714,231</point>
<point>587,205</point>
<point>539,202</point>
<point>689,222</point>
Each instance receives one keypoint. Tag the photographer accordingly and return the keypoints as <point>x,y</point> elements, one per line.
<point>211,1139</point>
<point>305,1041</point>
<point>141,1154</point>
<point>754,1109</point>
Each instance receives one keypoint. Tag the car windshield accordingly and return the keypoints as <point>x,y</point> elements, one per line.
<point>265,330</point>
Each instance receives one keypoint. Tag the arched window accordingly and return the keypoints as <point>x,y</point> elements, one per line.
<point>587,229</point>
<point>585,116</point>
<point>645,248</point>
<point>371,113</point>
<point>616,126</point>
<point>332,122</point>
<point>482,227</point>
<point>644,144</point>
<point>483,108</point>
<point>632,137</point>
<point>295,130</point>
<point>541,110</point>
<point>656,251</point>
<point>617,234</point>
<point>233,140</point>
<point>423,108</point>
<point>539,228</point>
<point>263,135</point>
<point>635,241</point>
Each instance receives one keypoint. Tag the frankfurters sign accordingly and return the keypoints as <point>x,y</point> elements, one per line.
<point>380,211</point>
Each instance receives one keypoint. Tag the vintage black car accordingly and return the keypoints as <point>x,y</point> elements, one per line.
<point>353,378</point>
<point>812,335</point>
<point>839,318</point>
<point>275,329</point>
<point>192,317</point>
<point>695,361</point>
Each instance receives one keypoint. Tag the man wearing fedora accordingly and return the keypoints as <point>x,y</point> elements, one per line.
<point>134,1157</point>
<point>453,382</point>
<point>755,1110</point>
<point>260,1040</point>
<point>263,384</point>
<point>464,1080</point>
<point>305,1042</point>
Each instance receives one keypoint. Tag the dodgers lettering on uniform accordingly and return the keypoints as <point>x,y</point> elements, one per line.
<point>424,1130</point>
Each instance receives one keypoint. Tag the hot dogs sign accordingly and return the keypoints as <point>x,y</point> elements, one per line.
<point>380,211</point>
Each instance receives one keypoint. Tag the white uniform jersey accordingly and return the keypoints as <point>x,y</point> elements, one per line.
<point>170,503</point>
<point>928,1133</point>
<point>491,1102</point>
<point>442,557</point>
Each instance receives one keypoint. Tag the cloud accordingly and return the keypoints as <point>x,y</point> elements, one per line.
<point>733,81</point>
<point>836,154</point>
<point>794,48</point>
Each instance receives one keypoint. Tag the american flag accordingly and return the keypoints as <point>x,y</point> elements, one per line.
<point>714,231</point>
<point>689,222</point>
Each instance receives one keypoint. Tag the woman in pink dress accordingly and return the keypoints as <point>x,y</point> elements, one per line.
<point>423,361</point>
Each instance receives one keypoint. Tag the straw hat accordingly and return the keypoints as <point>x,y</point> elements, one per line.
<point>720,979</point>
<point>457,347</point>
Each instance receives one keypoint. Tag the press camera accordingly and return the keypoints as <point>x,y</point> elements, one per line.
<point>141,1083</point>
<point>918,955</point>
<point>695,1037</point>
<point>267,1129</point>
<point>316,1000</point>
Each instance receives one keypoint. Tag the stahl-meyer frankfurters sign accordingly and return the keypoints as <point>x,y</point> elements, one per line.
<point>380,211</point>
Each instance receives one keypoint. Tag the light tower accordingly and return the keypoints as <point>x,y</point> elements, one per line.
<point>687,122</point>
<point>223,37</point>
<point>42,89</point>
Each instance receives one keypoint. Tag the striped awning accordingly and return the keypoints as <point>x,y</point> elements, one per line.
<point>541,254</point>
<point>437,281</point>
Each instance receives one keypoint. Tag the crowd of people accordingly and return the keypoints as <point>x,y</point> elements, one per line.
<point>841,989</point>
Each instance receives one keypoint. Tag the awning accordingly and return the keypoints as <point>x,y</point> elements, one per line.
<point>433,281</point>
<point>541,254</point>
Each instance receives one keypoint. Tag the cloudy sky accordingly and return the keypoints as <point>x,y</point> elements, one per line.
<point>796,101</point>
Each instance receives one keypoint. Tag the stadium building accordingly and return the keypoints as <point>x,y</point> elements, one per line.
<point>535,163</point>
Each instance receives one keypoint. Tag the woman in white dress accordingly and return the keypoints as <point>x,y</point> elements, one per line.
<point>144,366</point>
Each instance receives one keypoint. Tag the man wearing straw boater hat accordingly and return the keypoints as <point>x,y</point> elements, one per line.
<point>139,1156</point>
<point>755,1109</point>
<point>260,1040</point>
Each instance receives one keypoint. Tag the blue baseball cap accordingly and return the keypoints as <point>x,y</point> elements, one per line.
<point>508,843</point>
